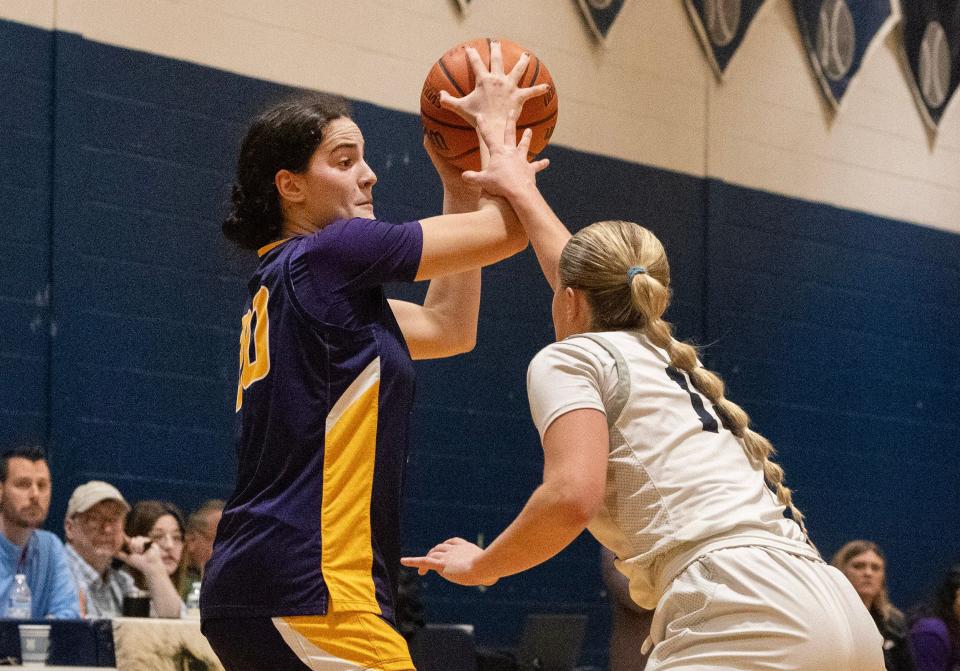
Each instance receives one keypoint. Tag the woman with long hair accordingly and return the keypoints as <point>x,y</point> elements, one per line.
<point>935,628</point>
<point>305,562</point>
<point>865,566</point>
<point>643,448</point>
<point>159,523</point>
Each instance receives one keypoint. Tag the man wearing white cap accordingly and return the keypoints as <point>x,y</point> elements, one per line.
<point>94,530</point>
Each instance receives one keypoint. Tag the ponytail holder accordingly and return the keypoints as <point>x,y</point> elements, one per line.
<point>633,271</point>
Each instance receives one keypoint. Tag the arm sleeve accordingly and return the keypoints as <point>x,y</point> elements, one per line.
<point>561,378</point>
<point>64,600</point>
<point>360,253</point>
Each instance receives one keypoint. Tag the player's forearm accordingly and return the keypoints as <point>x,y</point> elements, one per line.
<point>548,523</point>
<point>547,233</point>
<point>453,304</point>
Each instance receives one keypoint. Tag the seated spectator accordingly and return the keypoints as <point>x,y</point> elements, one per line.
<point>161,523</point>
<point>935,633</point>
<point>24,547</point>
<point>198,541</point>
<point>865,566</point>
<point>95,539</point>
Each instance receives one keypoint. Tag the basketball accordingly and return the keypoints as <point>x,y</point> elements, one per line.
<point>454,138</point>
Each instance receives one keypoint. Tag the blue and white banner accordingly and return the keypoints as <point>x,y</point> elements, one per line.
<point>931,44</point>
<point>600,15</point>
<point>838,35</point>
<point>721,25</point>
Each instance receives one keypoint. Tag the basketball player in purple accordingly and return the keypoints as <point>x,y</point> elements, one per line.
<point>304,568</point>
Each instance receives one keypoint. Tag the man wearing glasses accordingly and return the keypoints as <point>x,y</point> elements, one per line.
<point>95,538</point>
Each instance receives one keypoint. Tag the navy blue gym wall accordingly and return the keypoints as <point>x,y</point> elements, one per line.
<point>26,130</point>
<point>835,329</point>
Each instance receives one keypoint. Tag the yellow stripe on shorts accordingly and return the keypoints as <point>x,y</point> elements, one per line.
<point>345,641</point>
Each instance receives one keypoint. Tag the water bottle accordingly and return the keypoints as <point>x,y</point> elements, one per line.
<point>193,600</point>
<point>20,601</point>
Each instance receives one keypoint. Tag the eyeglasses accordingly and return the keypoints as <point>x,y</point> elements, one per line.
<point>173,537</point>
<point>100,521</point>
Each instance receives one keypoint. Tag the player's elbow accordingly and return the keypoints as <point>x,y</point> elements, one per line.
<point>459,336</point>
<point>465,342</point>
<point>577,504</point>
<point>517,241</point>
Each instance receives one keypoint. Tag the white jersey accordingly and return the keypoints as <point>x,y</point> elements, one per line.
<point>679,485</point>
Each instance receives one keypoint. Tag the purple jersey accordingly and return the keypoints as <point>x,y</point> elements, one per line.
<point>323,402</point>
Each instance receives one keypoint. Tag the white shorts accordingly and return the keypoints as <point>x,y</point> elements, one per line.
<point>760,608</point>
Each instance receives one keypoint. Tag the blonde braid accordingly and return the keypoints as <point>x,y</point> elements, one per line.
<point>596,261</point>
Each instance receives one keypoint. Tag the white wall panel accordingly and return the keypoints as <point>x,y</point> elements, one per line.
<point>770,129</point>
<point>38,13</point>
<point>647,96</point>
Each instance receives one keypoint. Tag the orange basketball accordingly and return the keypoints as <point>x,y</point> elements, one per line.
<point>454,138</point>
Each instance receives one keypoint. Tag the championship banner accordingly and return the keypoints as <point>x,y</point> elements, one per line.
<point>931,42</point>
<point>838,35</point>
<point>600,15</point>
<point>721,25</point>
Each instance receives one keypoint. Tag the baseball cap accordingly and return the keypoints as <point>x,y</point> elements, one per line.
<point>87,495</point>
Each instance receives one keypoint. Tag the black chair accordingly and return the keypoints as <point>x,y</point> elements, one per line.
<point>443,647</point>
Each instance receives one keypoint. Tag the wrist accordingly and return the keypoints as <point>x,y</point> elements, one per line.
<point>460,200</point>
<point>523,196</point>
<point>482,570</point>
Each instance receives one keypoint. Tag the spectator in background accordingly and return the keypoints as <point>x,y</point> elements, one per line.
<point>95,539</point>
<point>935,632</point>
<point>865,566</point>
<point>198,541</point>
<point>161,523</point>
<point>24,547</point>
<point>629,623</point>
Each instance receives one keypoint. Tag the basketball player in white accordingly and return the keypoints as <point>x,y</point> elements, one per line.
<point>642,448</point>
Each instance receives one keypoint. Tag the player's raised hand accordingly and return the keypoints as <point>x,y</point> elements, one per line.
<point>507,171</point>
<point>496,93</point>
<point>454,560</point>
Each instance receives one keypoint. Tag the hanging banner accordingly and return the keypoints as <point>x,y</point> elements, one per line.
<point>721,25</point>
<point>600,15</point>
<point>931,44</point>
<point>838,34</point>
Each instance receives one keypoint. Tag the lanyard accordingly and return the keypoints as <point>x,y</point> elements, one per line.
<point>22,562</point>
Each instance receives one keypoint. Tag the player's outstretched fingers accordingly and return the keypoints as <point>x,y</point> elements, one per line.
<point>452,103</point>
<point>532,92</point>
<point>524,144</point>
<point>479,69</point>
<point>496,57</point>
<point>540,165</point>
<point>486,131</point>
<point>519,68</point>
<point>423,564</point>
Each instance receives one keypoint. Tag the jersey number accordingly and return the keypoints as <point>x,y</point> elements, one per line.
<point>251,371</point>
<point>708,420</point>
